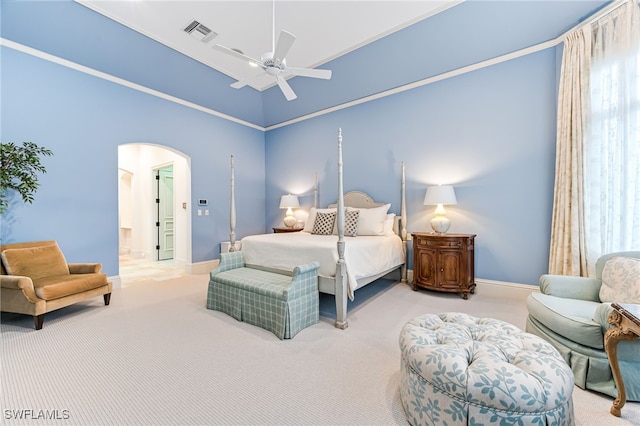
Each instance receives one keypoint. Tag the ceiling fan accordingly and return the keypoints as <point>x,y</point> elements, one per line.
<point>274,64</point>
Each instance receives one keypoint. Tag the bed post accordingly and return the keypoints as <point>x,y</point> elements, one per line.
<point>403,227</point>
<point>232,214</point>
<point>341,269</point>
<point>315,192</point>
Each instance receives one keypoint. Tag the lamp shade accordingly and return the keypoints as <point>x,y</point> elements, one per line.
<point>289,201</point>
<point>440,194</point>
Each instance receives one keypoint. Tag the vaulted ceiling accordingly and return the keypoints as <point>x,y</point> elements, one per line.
<point>324,30</point>
<point>371,46</point>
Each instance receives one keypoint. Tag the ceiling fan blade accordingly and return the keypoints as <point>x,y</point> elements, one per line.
<point>285,41</point>
<point>238,55</point>
<point>241,83</point>
<point>286,89</point>
<point>308,72</point>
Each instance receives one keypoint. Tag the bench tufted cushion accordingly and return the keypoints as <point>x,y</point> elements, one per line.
<point>459,370</point>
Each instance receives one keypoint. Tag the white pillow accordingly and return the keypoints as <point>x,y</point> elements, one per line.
<point>371,221</point>
<point>308,227</point>
<point>388,224</point>
<point>621,280</point>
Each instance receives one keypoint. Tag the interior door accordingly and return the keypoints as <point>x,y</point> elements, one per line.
<point>164,223</point>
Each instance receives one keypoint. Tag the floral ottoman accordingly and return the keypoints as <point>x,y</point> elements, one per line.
<point>460,370</point>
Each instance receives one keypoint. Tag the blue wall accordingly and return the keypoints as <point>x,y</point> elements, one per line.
<point>83,119</point>
<point>491,133</point>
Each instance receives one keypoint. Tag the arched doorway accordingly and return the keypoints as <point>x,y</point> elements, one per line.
<point>144,251</point>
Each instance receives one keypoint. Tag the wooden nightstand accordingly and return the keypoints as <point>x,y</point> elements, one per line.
<point>444,262</point>
<point>279,230</point>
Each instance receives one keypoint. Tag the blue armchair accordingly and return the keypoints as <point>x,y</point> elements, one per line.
<point>568,313</point>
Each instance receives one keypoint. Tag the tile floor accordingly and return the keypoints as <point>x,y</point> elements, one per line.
<point>133,271</point>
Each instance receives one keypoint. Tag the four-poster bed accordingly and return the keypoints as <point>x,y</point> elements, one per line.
<point>345,265</point>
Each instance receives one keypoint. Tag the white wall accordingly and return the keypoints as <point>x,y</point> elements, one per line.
<point>141,160</point>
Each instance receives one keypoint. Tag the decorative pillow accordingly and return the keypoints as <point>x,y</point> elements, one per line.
<point>388,224</point>
<point>323,224</point>
<point>621,280</point>
<point>311,220</point>
<point>372,220</point>
<point>351,223</point>
<point>35,262</point>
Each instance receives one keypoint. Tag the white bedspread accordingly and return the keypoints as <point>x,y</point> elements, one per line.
<point>365,256</point>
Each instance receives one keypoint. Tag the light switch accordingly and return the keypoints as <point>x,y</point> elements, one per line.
<point>206,212</point>
<point>199,212</point>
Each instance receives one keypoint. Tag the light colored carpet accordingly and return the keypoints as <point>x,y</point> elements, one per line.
<point>156,356</point>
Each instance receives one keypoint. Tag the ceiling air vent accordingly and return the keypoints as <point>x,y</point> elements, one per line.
<point>199,31</point>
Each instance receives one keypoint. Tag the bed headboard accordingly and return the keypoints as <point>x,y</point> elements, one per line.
<point>359,200</point>
<point>362,200</point>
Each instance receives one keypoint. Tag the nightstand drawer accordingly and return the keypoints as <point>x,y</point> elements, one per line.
<point>441,243</point>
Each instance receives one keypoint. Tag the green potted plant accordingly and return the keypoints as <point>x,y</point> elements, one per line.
<point>19,168</point>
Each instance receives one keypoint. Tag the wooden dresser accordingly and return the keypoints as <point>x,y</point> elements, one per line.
<point>444,262</point>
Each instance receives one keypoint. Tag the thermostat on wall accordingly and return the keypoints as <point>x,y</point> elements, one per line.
<point>203,202</point>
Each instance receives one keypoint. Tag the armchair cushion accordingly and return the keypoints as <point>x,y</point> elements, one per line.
<point>620,280</point>
<point>35,262</point>
<point>568,317</point>
<point>57,286</point>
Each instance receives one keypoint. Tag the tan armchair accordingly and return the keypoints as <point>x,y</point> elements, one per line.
<point>36,279</point>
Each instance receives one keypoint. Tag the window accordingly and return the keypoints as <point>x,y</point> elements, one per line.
<point>612,154</point>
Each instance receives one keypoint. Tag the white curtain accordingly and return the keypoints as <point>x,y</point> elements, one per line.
<point>597,189</point>
<point>612,149</point>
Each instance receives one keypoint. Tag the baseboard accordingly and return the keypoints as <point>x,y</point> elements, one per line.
<point>202,267</point>
<point>502,287</point>
<point>116,282</point>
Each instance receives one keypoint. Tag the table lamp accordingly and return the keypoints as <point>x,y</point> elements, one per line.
<point>289,202</point>
<point>440,195</point>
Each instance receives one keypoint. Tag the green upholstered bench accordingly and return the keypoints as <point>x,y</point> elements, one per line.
<point>282,304</point>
